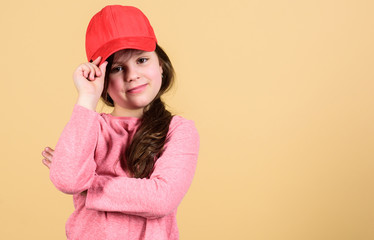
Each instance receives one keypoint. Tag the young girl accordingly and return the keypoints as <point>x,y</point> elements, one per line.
<point>128,170</point>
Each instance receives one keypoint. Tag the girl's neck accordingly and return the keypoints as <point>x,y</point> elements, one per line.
<point>120,112</point>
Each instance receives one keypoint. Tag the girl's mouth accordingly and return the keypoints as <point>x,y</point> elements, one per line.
<point>137,89</point>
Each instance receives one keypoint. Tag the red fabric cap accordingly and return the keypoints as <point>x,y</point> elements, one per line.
<point>117,27</point>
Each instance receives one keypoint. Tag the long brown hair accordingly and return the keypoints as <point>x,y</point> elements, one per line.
<point>149,140</point>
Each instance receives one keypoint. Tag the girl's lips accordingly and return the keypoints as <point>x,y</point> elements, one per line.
<point>137,89</point>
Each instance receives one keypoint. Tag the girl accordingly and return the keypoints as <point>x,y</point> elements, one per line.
<point>128,170</point>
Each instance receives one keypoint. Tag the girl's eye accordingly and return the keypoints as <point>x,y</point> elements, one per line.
<point>120,68</point>
<point>142,60</point>
<point>116,69</point>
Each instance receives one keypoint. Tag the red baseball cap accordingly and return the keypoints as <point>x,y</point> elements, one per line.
<point>117,27</point>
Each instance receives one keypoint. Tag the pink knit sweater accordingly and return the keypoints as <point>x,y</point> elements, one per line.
<point>116,206</point>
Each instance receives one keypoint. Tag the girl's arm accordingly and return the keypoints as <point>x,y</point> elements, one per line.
<point>162,193</point>
<point>73,167</point>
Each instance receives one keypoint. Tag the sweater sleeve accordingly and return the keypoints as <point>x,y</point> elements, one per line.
<point>73,167</point>
<point>159,195</point>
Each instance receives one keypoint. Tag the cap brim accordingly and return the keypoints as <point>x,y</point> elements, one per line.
<point>140,43</point>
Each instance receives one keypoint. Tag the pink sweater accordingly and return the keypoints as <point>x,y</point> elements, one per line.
<point>116,206</point>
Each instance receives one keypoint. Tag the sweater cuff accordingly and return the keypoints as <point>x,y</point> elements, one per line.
<point>79,108</point>
<point>83,117</point>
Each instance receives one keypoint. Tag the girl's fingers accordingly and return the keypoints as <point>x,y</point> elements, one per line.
<point>97,70</point>
<point>91,71</point>
<point>47,163</point>
<point>48,153</point>
<point>85,70</point>
<point>94,71</point>
<point>97,61</point>
<point>48,149</point>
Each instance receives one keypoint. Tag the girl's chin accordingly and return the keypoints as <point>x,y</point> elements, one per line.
<point>138,105</point>
<point>134,102</point>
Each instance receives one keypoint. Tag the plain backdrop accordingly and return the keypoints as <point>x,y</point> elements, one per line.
<point>281,92</point>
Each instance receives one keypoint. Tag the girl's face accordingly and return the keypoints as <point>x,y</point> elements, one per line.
<point>134,81</point>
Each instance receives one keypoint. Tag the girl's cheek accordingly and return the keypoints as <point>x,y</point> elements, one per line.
<point>115,83</point>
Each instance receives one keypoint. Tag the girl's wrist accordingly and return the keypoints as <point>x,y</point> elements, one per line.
<point>87,101</point>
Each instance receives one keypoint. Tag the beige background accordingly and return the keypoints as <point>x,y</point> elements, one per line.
<point>281,92</point>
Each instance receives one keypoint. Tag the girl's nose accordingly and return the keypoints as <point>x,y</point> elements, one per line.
<point>131,74</point>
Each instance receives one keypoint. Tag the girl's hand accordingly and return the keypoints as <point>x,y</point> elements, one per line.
<point>89,78</point>
<point>48,154</point>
